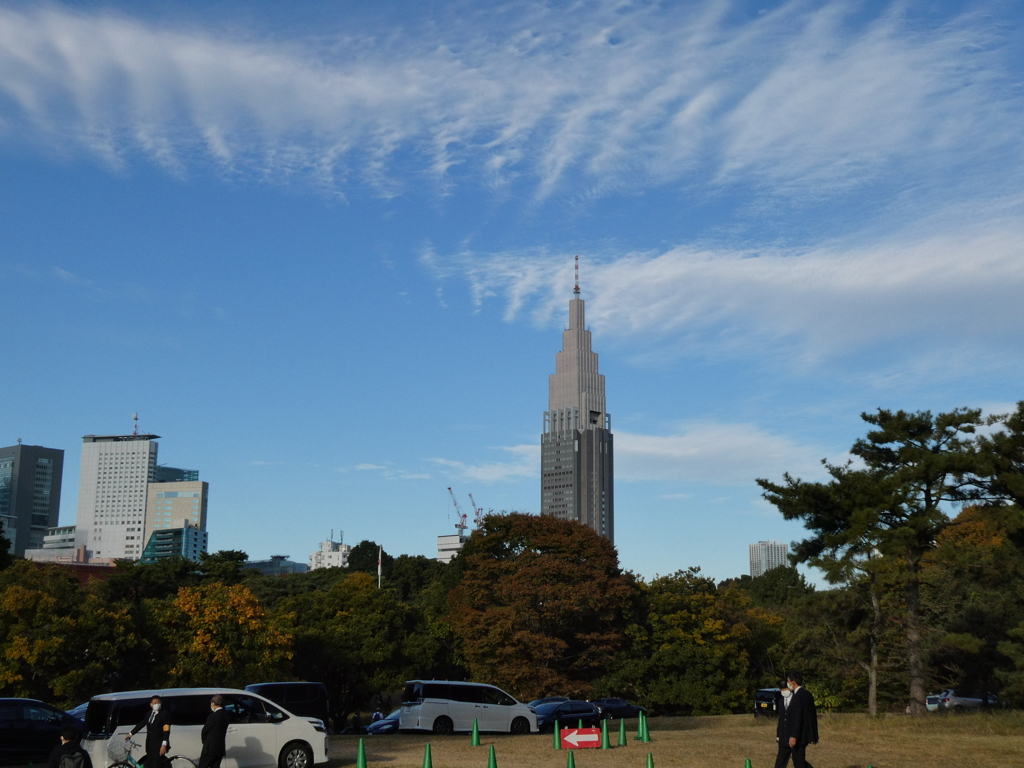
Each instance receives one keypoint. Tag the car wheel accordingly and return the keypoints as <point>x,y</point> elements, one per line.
<point>296,754</point>
<point>520,726</point>
<point>443,726</point>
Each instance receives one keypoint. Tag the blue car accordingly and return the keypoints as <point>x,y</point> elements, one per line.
<point>388,725</point>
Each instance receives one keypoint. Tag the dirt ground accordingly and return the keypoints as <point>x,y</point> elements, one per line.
<point>847,741</point>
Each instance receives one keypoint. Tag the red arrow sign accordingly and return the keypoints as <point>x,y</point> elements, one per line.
<point>581,738</point>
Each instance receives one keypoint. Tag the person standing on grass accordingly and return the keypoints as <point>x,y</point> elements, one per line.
<point>798,724</point>
<point>782,700</point>
<point>214,732</point>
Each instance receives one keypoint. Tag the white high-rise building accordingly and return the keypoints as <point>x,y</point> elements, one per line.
<point>112,488</point>
<point>332,554</point>
<point>766,555</point>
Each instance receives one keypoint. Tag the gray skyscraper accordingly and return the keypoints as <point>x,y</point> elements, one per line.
<point>30,477</point>
<point>576,446</point>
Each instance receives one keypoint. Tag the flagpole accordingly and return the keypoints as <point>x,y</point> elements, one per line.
<point>380,550</point>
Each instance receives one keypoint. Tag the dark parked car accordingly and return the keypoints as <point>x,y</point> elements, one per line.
<point>617,708</point>
<point>30,729</point>
<point>303,699</point>
<point>388,725</point>
<point>547,700</point>
<point>568,713</point>
<point>766,702</point>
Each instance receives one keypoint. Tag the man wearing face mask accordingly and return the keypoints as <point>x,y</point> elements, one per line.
<point>158,734</point>
<point>798,723</point>
<point>781,707</point>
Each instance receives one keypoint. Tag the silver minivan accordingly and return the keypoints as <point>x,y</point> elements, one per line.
<point>445,707</point>
<point>261,735</point>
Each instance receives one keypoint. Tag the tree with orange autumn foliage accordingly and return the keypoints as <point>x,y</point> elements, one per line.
<point>220,635</point>
<point>540,606</point>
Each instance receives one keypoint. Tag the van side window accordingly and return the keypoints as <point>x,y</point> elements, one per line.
<point>188,710</point>
<point>469,694</point>
<point>131,711</point>
<point>494,696</point>
<point>435,690</point>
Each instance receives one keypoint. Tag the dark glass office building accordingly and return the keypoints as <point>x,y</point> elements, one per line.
<point>30,477</point>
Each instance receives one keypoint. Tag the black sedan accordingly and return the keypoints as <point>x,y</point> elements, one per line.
<point>547,700</point>
<point>568,713</point>
<point>766,702</point>
<point>618,708</point>
<point>30,729</point>
<point>388,724</point>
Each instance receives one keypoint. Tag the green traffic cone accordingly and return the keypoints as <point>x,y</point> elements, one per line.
<point>749,765</point>
<point>571,762</point>
<point>606,743</point>
<point>639,726</point>
<point>427,762</point>
<point>474,740</point>
<point>492,761</point>
<point>622,733</point>
<point>558,735</point>
<point>361,755</point>
<point>581,724</point>
<point>646,738</point>
<point>650,760</point>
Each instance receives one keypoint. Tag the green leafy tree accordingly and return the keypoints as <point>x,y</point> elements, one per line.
<point>363,557</point>
<point>224,566</point>
<point>696,663</point>
<point>915,466</point>
<point>60,643</point>
<point>350,637</point>
<point>5,549</point>
<point>540,605</point>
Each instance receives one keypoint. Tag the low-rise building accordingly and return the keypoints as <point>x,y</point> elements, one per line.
<point>332,554</point>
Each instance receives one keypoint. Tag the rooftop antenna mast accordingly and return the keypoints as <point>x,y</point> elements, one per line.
<point>135,417</point>
<point>576,289</point>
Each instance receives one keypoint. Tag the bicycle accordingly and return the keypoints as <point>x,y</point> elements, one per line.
<point>120,751</point>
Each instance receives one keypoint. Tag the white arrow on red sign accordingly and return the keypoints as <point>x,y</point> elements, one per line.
<point>578,737</point>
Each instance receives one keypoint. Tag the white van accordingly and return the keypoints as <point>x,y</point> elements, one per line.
<point>262,734</point>
<point>445,707</point>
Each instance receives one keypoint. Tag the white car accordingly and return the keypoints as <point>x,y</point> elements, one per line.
<point>444,707</point>
<point>262,734</point>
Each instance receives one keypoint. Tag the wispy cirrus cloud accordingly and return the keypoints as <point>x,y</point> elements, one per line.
<point>955,283</point>
<point>806,96</point>
<point>525,462</point>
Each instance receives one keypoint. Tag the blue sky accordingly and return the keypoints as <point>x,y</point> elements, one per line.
<point>325,249</point>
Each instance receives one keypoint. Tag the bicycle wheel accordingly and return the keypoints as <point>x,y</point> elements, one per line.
<point>180,761</point>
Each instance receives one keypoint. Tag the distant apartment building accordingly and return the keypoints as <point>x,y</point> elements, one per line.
<point>165,474</point>
<point>176,518</point>
<point>30,480</point>
<point>115,476</point>
<point>332,554</point>
<point>58,547</point>
<point>185,541</point>
<point>449,546</point>
<point>277,565</point>
<point>766,555</point>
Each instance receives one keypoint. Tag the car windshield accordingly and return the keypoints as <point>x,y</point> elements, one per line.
<point>394,715</point>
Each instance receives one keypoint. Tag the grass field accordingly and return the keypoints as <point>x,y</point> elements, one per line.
<point>847,741</point>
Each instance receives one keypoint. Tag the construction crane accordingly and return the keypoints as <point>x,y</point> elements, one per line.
<point>478,512</point>
<point>461,525</point>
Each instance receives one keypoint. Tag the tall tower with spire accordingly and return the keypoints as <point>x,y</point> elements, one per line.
<point>576,444</point>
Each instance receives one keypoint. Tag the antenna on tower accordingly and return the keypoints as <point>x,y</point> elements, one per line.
<point>576,290</point>
<point>135,416</point>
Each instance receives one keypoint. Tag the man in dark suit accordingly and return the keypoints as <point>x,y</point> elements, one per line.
<point>214,732</point>
<point>158,733</point>
<point>798,724</point>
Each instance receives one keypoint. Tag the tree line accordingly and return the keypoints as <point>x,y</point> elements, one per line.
<point>920,536</point>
